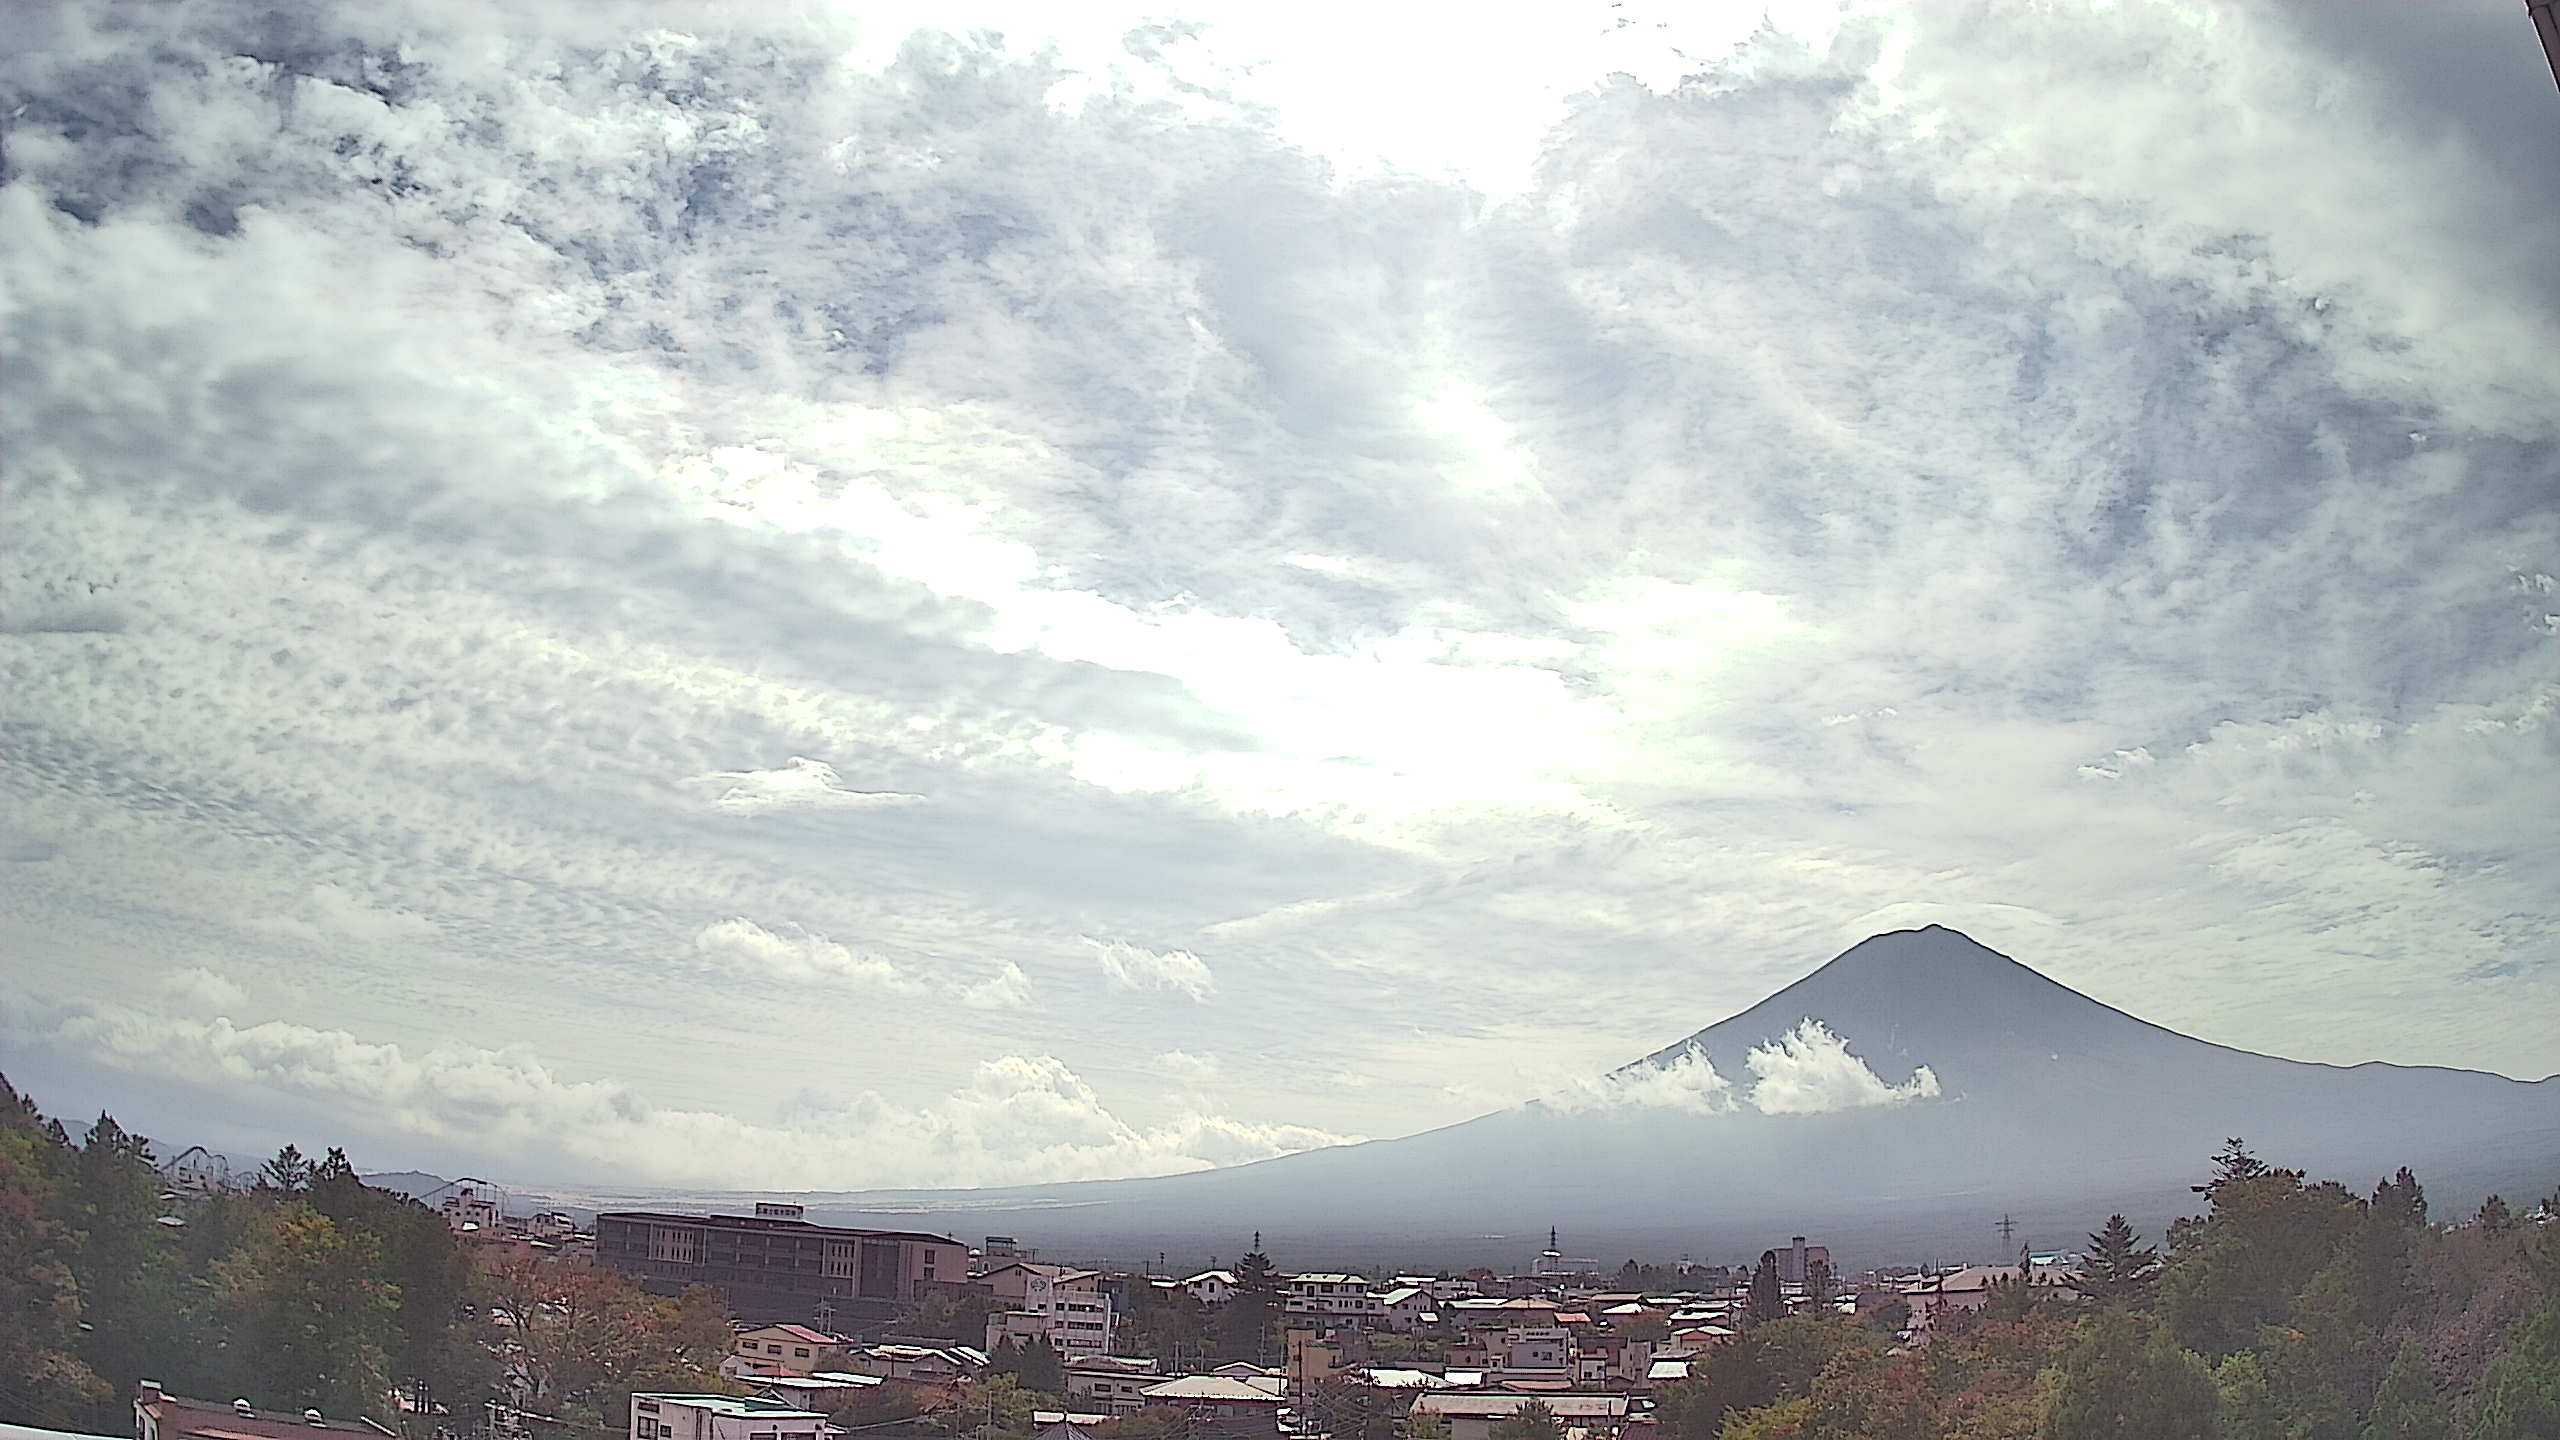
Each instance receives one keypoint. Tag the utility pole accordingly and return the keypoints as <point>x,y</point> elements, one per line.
<point>2547,25</point>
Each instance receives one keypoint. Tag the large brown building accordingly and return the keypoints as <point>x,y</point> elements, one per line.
<point>778,1267</point>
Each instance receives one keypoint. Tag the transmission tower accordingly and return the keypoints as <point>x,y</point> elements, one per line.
<point>2008,1229</point>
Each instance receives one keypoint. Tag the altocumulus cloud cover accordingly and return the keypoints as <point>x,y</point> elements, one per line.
<point>742,595</point>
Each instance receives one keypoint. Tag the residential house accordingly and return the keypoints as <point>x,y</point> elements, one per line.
<point>1212,1288</point>
<point>1223,1408</point>
<point>824,1391</point>
<point>1406,1309</point>
<point>721,1417</point>
<point>1968,1289</point>
<point>1535,1347</point>
<point>941,1365</point>
<point>1112,1384</point>
<point>786,1350</point>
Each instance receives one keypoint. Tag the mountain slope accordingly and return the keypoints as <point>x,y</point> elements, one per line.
<point>2046,1103</point>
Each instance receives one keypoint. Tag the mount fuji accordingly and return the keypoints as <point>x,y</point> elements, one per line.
<point>1896,1102</point>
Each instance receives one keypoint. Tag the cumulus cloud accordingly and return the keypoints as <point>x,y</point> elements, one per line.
<point>803,784</point>
<point>1135,967</point>
<point>198,988</point>
<point>1007,989</point>
<point>1809,1071</point>
<point>794,956</point>
<point>1687,1082</point>
<point>1019,1118</point>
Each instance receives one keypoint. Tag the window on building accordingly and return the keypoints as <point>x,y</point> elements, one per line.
<point>799,1352</point>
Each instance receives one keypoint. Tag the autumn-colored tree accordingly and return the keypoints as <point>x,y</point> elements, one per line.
<point>585,1337</point>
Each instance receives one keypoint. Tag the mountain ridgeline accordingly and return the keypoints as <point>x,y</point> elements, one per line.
<point>2046,1105</point>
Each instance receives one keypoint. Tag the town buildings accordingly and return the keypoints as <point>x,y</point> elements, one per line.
<point>780,1267</point>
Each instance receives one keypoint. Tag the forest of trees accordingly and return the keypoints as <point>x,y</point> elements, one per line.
<point>308,1290</point>
<point>2289,1310</point>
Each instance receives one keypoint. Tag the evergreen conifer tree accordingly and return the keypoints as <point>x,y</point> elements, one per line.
<point>2406,1407</point>
<point>1766,1300</point>
<point>2120,1266</point>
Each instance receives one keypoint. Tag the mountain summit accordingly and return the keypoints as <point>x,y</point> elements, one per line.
<point>1896,1101</point>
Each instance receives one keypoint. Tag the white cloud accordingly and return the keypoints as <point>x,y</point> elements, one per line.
<point>1134,967</point>
<point>803,784</point>
<point>1007,989</point>
<point>1185,1066</point>
<point>1809,1071</point>
<point>201,989</point>
<point>1020,1118</point>
<point>795,957</point>
<point>330,915</point>
<point>1688,1082</point>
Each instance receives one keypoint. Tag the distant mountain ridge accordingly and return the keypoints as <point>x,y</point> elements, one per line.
<point>2047,1105</point>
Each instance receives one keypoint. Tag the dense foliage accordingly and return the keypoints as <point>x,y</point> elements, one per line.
<point>2289,1310</point>
<point>308,1290</point>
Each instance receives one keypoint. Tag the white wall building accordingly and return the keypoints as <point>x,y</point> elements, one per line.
<point>721,1417</point>
<point>1070,1307</point>
<point>1344,1297</point>
<point>1212,1288</point>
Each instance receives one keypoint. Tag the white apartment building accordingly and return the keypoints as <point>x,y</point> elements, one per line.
<point>1344,1297</point>
<point>721,1417</point>
<point>1069,1307</point>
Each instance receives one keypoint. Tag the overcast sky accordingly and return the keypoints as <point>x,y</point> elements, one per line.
<point>756,596</point>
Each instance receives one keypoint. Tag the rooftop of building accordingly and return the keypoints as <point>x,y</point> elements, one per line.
<point>1478,1405</point>
<point>801,1333</point>
<point>768,1222</point>
<point>746,1405</point>
<point>240,1420</point>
